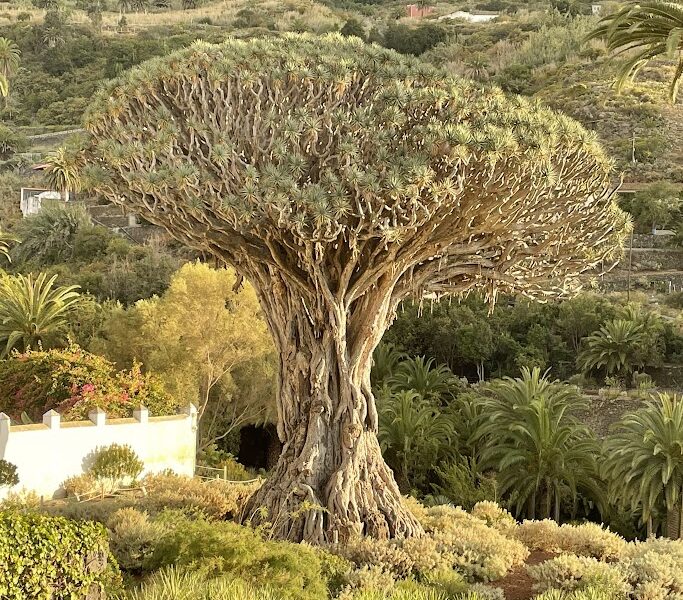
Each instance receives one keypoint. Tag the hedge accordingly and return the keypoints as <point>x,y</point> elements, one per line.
<point>53,558</point>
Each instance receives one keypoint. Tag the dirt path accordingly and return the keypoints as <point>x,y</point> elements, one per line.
<point>517,585</point>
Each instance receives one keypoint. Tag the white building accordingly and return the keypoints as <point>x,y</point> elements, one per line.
<point>471,17</point>
<point>32,199</point>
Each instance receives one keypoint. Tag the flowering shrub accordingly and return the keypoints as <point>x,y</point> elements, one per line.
<point>74,382</point>
<point>587,539</point>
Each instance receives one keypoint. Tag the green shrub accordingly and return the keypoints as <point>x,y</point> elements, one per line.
<point>79,485</point>
<point>455,541</point>
<point>182,584</point>
<point>115,464</point>
<point>45,557</point>
<point>587,539</point>
<point>133,538</point>
<point>222,548</point>
<point>8,474</point>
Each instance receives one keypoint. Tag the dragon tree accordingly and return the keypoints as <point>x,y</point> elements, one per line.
<point>340,178</point>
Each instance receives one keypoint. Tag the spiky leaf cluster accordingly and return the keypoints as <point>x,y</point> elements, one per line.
<point>307,154</point>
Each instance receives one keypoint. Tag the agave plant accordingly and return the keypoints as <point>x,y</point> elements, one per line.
<point>540,450</point>
<point>644,461</point>
<point>31,309</point>
<point>645,31</point>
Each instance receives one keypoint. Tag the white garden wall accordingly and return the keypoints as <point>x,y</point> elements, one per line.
<point>46,454</point>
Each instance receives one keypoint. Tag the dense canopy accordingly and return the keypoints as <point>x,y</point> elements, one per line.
<point>340,178</point>
<point>276,149</point>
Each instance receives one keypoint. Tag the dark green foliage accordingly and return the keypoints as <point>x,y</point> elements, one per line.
<point>414,40</point>
<point>55,84</point>
<point>11,142</point>
<point>353,27</point>
<point>294,571</point>
<point>534,440</point>
<point>52,557</point>
<point>8,473</point>
<point>659,206</point>
<point>49,237</point>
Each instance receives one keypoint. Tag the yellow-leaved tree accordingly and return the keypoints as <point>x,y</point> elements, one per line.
<point>207,341</point>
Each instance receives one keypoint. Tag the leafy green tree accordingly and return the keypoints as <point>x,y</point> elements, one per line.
<point>196,337</point>
<point>614,348</point>
<point>338,204</point>
<point>580,316</point>
<point>647,30</point>
<point>54,27</point>
<point>32,310</point>
<point>643,461</point>
<point>657,206</point>
<point>540,450</point>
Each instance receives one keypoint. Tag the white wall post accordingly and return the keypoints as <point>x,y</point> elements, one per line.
<point>98,417</point>
<point>141,414</point>
<point>52,419</point>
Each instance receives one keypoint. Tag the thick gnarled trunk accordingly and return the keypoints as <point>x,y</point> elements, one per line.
<point>331,481</point>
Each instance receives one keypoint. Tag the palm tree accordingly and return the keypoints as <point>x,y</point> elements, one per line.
<point>9,63</point>
<point>31,309</point>
<point>616,347</point>
<point>651,29</point>
<point>63,172</point>
<point>422,376</point>
<point>541,451</point>
<point>413,433</point>
<point>385,360</point>
<point>644,461</point>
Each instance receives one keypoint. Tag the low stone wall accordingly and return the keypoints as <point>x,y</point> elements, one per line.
<point>49,452</point>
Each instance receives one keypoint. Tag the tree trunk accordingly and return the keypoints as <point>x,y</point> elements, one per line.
<point>330,482</point>
<point>557,507</point>
<point>673,522</point>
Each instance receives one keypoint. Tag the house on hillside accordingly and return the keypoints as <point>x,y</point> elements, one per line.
<point>482,16</point>
<point>417,11</point>
<point>32,199</point>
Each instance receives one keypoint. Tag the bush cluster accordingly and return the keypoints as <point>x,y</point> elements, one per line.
<point>651,570</point>
<point>455,541</point>
<point>51,557</point>
<point>587,539</point>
